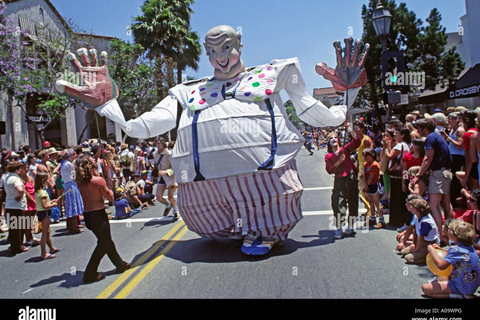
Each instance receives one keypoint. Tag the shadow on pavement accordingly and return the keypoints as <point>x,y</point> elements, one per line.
<point>220,251</point>
<point>158,223</point>
<point>68,280</point>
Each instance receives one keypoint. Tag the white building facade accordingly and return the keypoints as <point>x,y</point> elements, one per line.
<point>32,16</point>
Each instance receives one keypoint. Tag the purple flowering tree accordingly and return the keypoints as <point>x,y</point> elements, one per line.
<point>29,67</point>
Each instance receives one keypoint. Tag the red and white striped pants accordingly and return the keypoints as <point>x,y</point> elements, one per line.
<point>263,203</point>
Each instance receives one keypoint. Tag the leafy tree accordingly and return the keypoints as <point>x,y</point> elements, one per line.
<point>188,54</point>
<point>404,29</point>
<point>423,48</point>
<point>30,66</point>
<point>134,77</point>
<point>440,67</point>
<point>292,114</point>
<point>161,29</point>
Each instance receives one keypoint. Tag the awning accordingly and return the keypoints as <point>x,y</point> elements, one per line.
<point>433,96</point>
<point>468,85</point>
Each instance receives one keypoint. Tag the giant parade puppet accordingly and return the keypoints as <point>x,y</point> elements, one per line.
<point>234,157</point>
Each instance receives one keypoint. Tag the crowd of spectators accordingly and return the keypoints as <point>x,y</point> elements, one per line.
<point>127,170</point>
<point>424,173</point>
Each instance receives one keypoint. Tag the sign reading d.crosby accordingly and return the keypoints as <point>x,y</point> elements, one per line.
<point>464,92</point>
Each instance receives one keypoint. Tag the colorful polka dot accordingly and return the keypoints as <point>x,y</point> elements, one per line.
<point>203,93</point>
<point>269,80</point>
<point>193,91</point>
<point>261,75</point>
<point>257,99</point>
<point>192,107</point>
<point>202,101</point>
<point>209,85</point>
<point>247,94</point>
<point>255,84</point>
<point>191,100</point>
<point>269,68</point>
<point>214,95</point>
<point>268,92</point>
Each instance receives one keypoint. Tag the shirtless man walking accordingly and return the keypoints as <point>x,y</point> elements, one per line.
<point>94,188</point>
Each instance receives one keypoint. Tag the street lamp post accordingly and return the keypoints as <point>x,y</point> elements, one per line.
<point>382,20</point>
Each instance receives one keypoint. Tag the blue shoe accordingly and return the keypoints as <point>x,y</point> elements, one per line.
<point>257,246</point>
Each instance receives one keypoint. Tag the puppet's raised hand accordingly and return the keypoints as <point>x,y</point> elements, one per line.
<point>351,59</point>
<point>93,86</point>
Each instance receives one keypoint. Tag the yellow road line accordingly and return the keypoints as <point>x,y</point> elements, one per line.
<point>146,270</point>
<point>127,274</point>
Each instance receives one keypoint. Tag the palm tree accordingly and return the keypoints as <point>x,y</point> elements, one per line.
<point>188,55</point>
<point>161,28</point>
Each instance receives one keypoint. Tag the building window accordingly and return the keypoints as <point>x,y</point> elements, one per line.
<point>42,14</point>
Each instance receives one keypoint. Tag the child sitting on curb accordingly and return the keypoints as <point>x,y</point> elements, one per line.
<point>464,279</point>
<point>405,237</point>
<point>426,233</point>
<point>122,208</point>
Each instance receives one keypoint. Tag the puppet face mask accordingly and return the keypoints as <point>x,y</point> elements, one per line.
<point>223,48</point>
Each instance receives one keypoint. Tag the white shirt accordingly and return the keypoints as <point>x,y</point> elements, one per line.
<point>234,134</point>
<point>32,170</point>
<point>68,172</point>
<point>402,145</point>
<point>13,180</point>
<point>130,155</point>
<point>433,234</point>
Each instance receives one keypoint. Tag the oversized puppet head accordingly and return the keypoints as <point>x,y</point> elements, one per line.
<point>223,46</point>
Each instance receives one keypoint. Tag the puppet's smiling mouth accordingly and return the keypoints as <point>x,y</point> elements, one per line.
<point>224,64</point>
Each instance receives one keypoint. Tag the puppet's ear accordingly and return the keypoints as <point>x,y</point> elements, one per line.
<point>239,36</point>
<point>205,46</point>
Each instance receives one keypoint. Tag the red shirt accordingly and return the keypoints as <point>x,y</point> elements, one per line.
<point>411,161</point>
<point>343,169</point>
<point>467,136</point>
<point>372,169</point>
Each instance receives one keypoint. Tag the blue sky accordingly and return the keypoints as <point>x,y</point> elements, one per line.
<point>271,29</point>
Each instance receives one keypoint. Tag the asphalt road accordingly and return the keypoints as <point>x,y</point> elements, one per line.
<point>171,262</point>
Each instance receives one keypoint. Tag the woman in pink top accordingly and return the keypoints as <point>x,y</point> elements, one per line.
<point>31,207</point>
<point>345,184</point>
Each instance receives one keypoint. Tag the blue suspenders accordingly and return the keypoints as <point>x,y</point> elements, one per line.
<point>268,165</point>
<point>196,159</point>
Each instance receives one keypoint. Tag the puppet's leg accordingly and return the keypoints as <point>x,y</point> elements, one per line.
<point>269,204</point>
<point>205,210</point>
<point>263,206</point>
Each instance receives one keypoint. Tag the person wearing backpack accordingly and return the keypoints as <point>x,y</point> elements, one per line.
<point>126,161</point>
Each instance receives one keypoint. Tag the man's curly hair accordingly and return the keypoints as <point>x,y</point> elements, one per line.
<point>83,167</point>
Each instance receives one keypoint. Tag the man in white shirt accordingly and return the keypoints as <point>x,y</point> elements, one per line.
<point>166,178</point>
<point>15,204</point>
<point>126,161</point>
<point>235,144</point>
